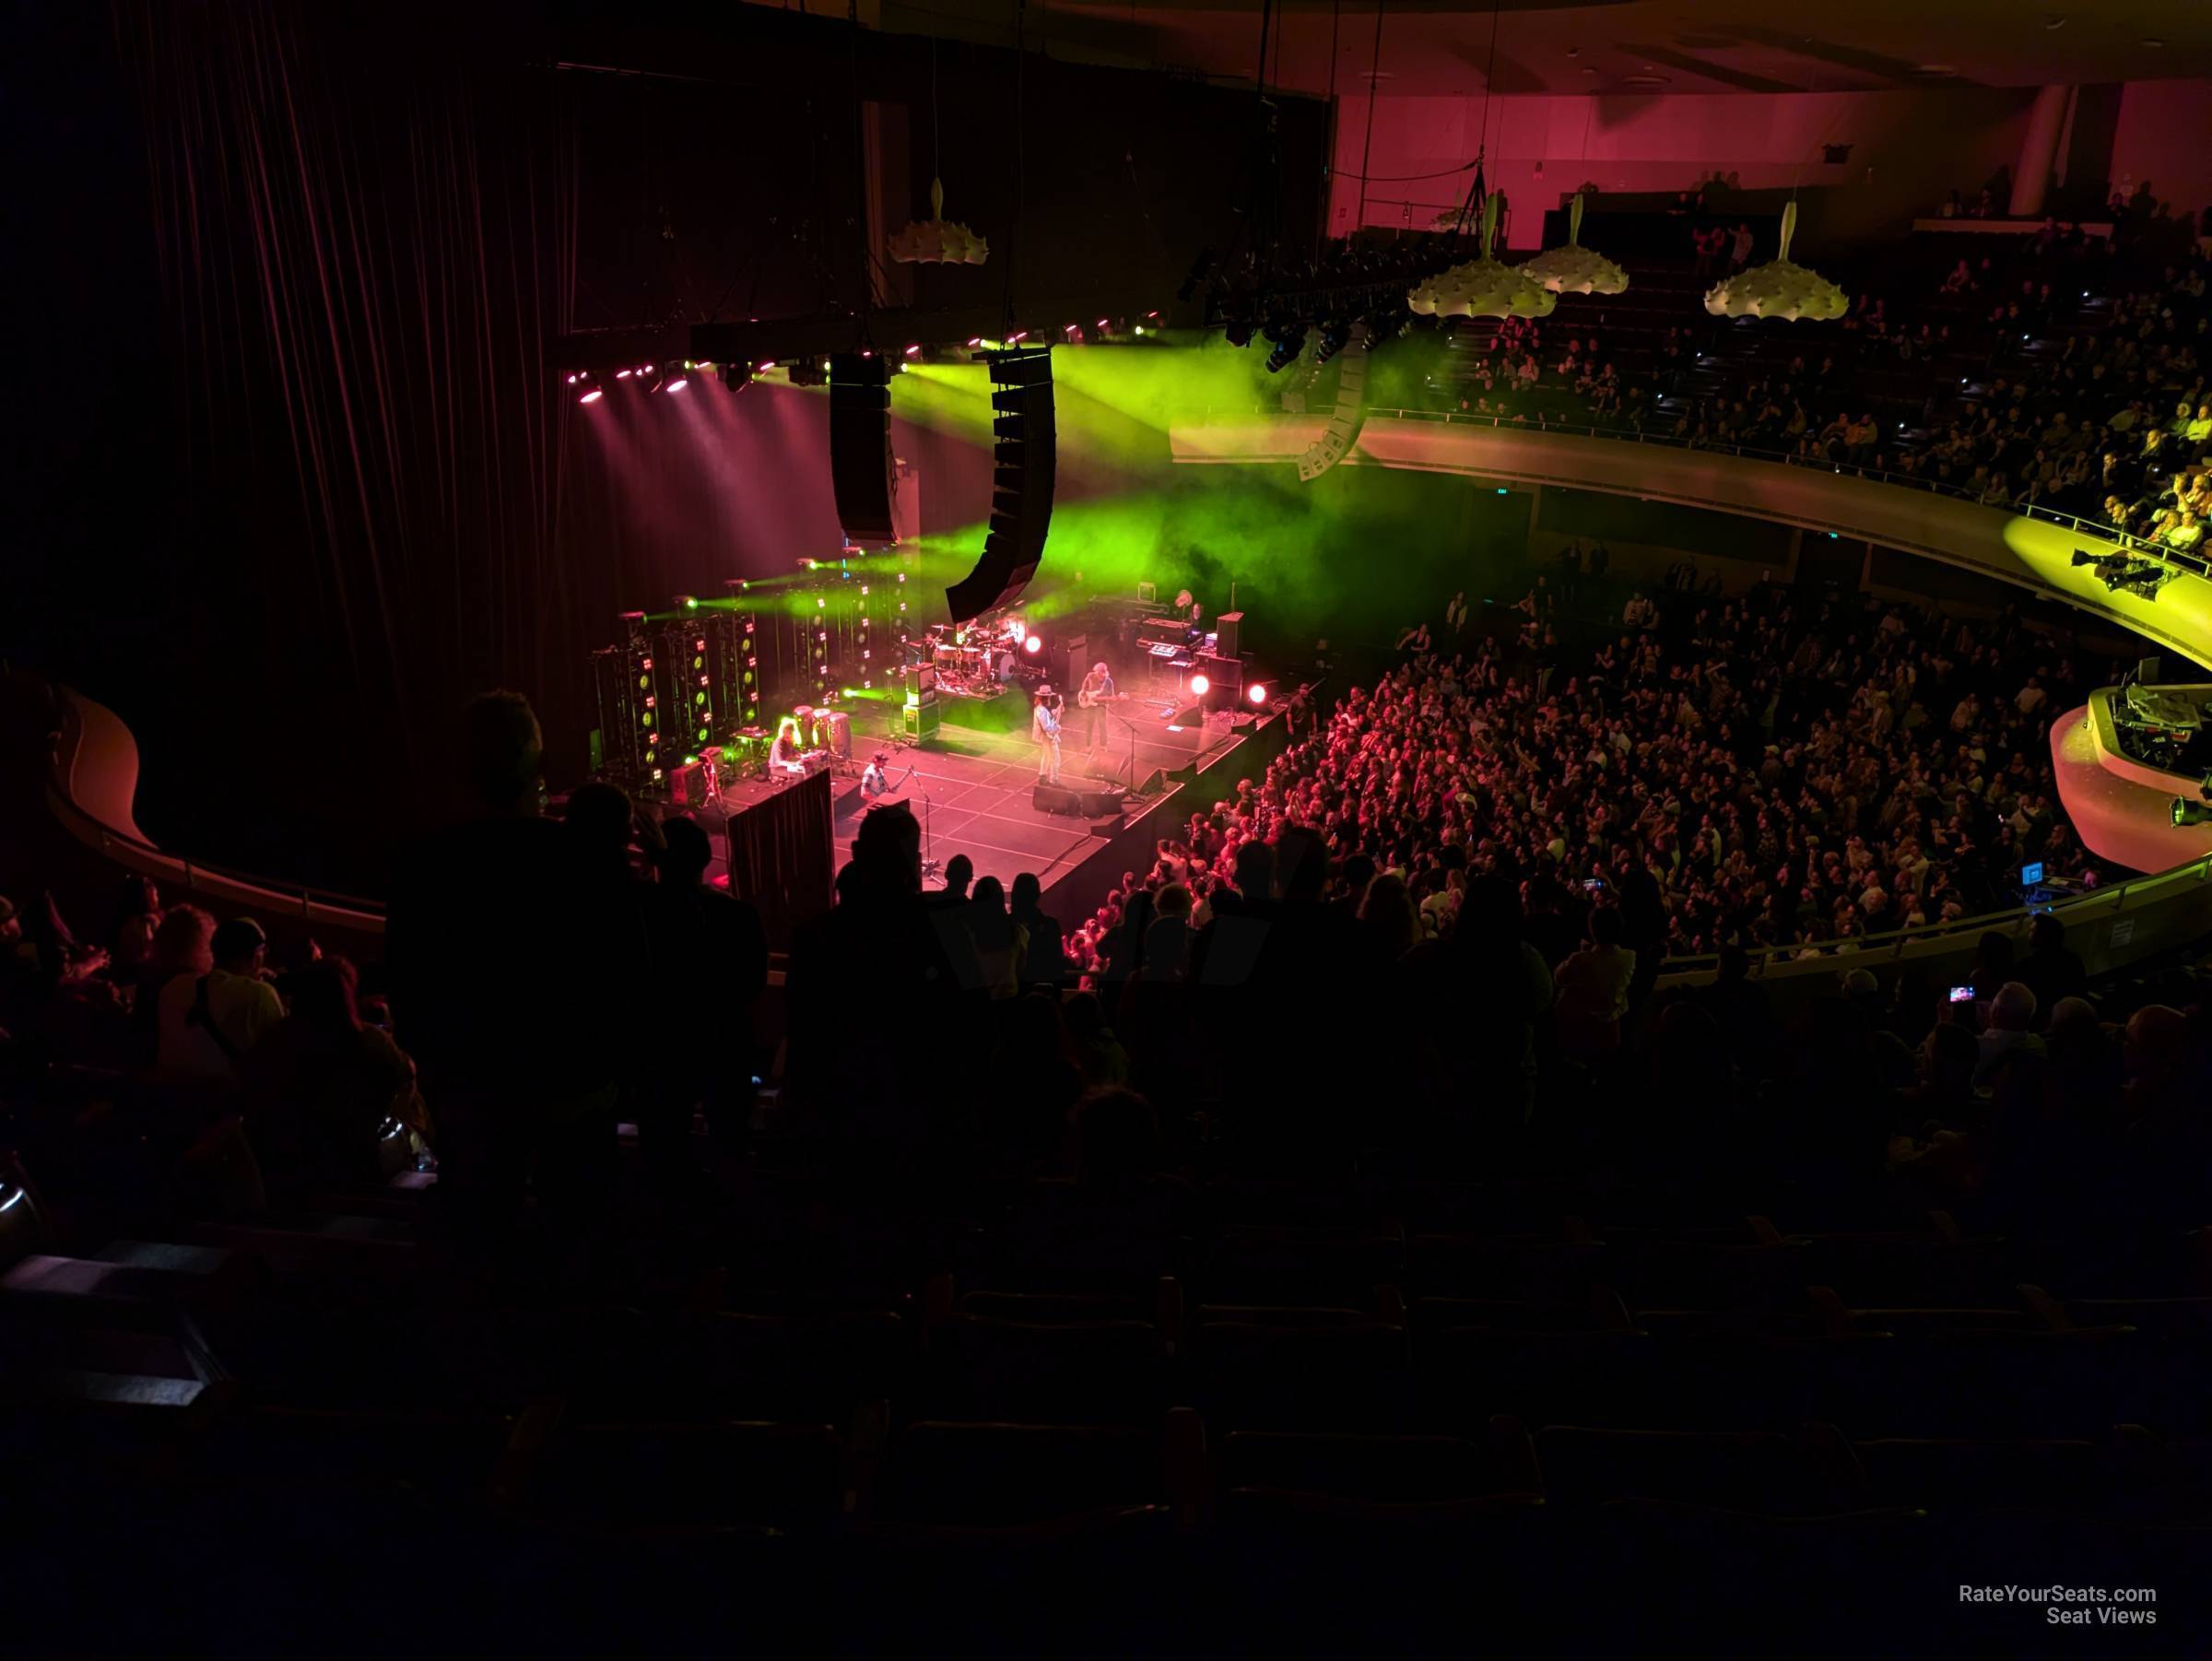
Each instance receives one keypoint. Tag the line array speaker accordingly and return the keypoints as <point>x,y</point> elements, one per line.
<point>1350,414</point>
<point>860,446</point>
<point>1024,445</point>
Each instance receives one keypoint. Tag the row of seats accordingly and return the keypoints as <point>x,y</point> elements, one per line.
<point>549,1461</point>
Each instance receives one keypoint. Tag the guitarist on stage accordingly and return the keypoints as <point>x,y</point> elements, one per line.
<point>1044,727</point>
<point>1098,689</point>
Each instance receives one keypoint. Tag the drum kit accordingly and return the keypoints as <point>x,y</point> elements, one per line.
<point>975,659</point>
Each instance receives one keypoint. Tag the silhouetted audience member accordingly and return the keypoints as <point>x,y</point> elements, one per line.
<point>1044,957</point>
<point>210,1021</point>
<point>509,951</point>
<point>2052,970</point>
<point>710,966</point>
<point>1001,943</point>
<point>882,1091</point>
<point>182,944</point>
<point>130,932</point>
<point>329,1103</point>
<point>2008,1028</point>
<point>959,874</point>
<point>1593,989</point>
<point>1470,1006</point>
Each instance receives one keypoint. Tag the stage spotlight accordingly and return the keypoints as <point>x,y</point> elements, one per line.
<point>1336,334</point>
<point>592,396</point>
<point>1200,685</point>
<point>2186,812</point>
<point>1033,643</point>
<point>737,377</point>
<point>588,389</point>
<point>1287,350</point>
<point>676,382</point>
<point>1257,692</point>
<point>1237,333</point>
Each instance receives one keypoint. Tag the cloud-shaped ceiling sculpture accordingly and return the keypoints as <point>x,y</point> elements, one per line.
<point>1575,269</point>
<point>1481,287</point>
<point>1780,290</point>
<point>936,242</point>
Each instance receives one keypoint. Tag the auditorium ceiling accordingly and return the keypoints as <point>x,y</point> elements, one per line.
<point>1616,47</point>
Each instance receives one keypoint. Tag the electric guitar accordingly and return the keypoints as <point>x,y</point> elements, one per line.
<point>1091,700</point>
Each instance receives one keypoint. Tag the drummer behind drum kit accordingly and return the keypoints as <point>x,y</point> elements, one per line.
<point>977,659</point>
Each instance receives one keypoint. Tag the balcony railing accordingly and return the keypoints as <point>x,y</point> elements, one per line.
<point>2173,559</point>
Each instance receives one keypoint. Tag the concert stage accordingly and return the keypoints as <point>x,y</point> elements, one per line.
<point>972,790</point>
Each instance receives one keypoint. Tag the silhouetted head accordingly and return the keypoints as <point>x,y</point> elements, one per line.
<point>501,748</point>
<point>687,852</point>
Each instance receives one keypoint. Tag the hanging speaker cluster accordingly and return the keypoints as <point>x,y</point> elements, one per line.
<point>861,470</point>
<point>1022,463</point>
<point>1345,421</point>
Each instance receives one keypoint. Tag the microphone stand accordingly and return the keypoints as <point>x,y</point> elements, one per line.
<point>929,863</point>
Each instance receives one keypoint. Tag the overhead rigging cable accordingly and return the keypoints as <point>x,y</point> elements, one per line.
<point>860,176</point>
<point>1374,86</point>
<point>1471,210</point>
<point>1021,147</point>
<point>1328,156</point>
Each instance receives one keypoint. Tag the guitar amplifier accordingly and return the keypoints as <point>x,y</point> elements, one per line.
<point>1166,631</point>
<point>688,784</point>
<point>1072,660</point>
<point>1224,679</point>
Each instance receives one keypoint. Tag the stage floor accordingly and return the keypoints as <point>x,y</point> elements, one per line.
<point>972,792</point>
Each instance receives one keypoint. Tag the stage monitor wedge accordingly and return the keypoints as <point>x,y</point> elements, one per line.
<point>1022,465</point>
<point>861,469</point>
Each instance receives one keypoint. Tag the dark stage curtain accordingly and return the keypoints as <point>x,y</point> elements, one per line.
<point>363,249</point>
<point>783,857</point>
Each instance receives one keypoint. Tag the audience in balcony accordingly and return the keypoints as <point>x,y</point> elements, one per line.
<point>2014,417</point>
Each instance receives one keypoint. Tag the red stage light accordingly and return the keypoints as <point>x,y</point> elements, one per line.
<point>1257,692</point>
<point>1200,685</point>
<point>592,396</point>
<point>677,385</point>
<point>622,374</point>
<point>1033,644</point>
<point>913,351</point>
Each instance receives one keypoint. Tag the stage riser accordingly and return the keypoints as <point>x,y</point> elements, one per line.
<point>1009,713</point>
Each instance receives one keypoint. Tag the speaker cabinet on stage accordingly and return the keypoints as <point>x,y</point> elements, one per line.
<point>860,446</point>
<point>1224,681</point>
<point>1076,803</point>
<point>922,720</point>
<point>1071,661</point>
<point>1024,447</point>
<point>688,784</point>
<point>1229,632</point>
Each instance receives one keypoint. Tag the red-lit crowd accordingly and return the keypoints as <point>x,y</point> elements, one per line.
<point>1733,772</point>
